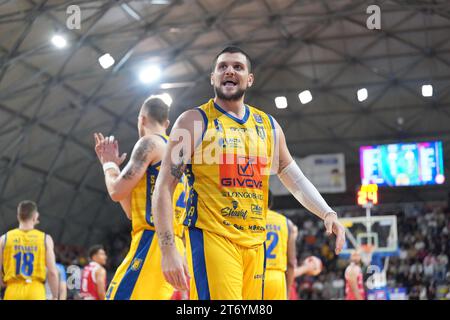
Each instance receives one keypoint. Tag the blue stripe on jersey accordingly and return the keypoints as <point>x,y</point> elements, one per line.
<point>199,265</point>
<point>240,121</point>
<point>151,172</point>
<point>191,206</point>
<point>126,285</point>
<point>205,119</point>
<point>273,128</point>
<point>180,201</point>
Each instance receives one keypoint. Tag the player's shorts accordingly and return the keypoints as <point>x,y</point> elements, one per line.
<point>140,277</point>
<point>275,285</point>
<point>21,290</point>
<point>223,270</point>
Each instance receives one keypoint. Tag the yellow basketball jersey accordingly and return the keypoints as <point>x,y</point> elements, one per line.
<point>228,175</point>
<point>24,256</point>
<point>141,201</point>
<point>276,241</point>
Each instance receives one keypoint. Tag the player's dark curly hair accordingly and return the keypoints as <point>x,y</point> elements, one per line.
<point>234,49</point>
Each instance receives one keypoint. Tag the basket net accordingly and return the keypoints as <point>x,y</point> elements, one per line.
<point>366,253</point>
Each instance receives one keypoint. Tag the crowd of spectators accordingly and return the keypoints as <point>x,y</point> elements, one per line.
<point>420,265</point>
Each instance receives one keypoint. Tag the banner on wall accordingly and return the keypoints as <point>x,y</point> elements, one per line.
<point>325,171</point>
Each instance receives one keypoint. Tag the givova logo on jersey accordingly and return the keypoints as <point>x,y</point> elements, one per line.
<point>242,172</point>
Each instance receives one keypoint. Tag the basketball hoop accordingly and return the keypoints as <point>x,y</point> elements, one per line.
<point>366,253</point>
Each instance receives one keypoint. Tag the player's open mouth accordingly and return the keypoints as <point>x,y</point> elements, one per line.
<point>229,83</point>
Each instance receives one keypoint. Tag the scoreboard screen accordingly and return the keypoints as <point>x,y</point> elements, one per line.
<point>402,164</point>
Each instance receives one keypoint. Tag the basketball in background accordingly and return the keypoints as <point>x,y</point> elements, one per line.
<point>314,265</point>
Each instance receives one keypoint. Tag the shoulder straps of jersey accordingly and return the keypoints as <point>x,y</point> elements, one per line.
<point>205,120</point>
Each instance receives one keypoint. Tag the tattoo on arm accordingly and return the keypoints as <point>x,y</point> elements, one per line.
<point>139,157</point>
<point>166,239</point>
<point>177,170</point>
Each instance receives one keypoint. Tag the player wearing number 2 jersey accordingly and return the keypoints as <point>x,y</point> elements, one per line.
<point>281,260</point>
<point>25,254</point>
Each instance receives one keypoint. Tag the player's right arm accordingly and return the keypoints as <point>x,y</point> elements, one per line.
<point>52,271</point>
<point>352,278</point>
<point>120,183</point>
<point>2,245</point>
<point>291,255</point>
<point>179,151</point>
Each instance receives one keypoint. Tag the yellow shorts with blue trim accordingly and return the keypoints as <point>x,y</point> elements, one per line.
<point>275,285</point>
<point>21,290</point>
<point>140,277</point>
<point>223,270</point>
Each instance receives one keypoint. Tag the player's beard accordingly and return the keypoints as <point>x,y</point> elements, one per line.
<point>230,97</point>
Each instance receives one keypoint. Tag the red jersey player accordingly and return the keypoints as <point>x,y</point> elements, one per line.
<point>93,278</point>
<point>354,286</point>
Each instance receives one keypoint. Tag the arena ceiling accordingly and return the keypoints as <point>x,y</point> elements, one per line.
<point>52,100</point>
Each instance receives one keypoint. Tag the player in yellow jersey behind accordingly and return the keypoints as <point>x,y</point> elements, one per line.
<point>281,255</point>
<point>140,276</point>
<point>27,257</point>
<point>227,149</point>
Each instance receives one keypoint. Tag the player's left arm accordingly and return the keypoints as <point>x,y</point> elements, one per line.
<point>100,277</point>
<point>303,190</point>
<point>291,255</point>
<point>2,244</point>
<point>121,183</point>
